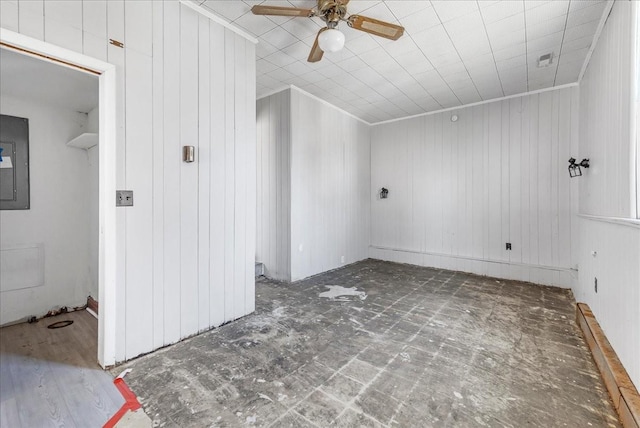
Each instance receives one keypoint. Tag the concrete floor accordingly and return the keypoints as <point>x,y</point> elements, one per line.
<point>409,347</point>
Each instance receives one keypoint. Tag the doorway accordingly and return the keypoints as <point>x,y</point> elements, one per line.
<point>99,273</point>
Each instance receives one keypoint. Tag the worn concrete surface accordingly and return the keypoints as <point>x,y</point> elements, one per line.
<point>389,345</point>
<point>135,419</point>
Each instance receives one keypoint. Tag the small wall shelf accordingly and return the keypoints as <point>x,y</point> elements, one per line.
<point>84,141</point>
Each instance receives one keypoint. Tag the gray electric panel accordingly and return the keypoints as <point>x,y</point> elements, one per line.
<point>14,168</point>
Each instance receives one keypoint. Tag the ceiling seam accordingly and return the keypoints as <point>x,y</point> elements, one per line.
<point>526,43</point>
<point>202,11</point>
<point>459,56</point>
<point>437,71</point>
<point>603,20</point>
<point>410,74</point>
<point>493,100</point>
<point>484,25</point>
<point>564,32</point>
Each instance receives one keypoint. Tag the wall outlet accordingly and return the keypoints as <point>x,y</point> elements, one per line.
<point>124,198</point>
<point>341,259</point>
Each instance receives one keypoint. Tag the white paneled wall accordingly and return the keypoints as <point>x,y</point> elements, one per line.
<point>57,221</point>
<point>609,248</point>
<point>186,248</point>
<point>313,186</point>
<point>330,180</point>
<point>273,150</point>
<point>606,96</point>
<point>459,191</point>
<point>610,252</point>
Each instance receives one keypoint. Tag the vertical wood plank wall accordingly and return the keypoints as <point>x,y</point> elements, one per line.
<point>313,186</point>
<point>459,191</point>
<point>330,180</point>
<point>616,304</point>
<point>605,137</point>
<point>605,119</point>
<point>273,150</point>
<point>186,248</point>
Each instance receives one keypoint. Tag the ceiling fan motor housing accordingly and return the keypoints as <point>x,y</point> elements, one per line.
<point>331,12</point>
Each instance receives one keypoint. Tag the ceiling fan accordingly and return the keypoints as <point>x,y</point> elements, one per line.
<point>332,12</point>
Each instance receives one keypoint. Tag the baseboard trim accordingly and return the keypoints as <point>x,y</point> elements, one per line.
<point>92,304</point>
<point>537,274</point>
<point>623,393</point>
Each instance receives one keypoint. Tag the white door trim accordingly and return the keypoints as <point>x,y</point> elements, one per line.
<point>107,174</point>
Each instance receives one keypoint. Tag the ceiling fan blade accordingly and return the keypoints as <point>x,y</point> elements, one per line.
<point>316,53</point>
<point>281,11</point>
<point>376,27</point>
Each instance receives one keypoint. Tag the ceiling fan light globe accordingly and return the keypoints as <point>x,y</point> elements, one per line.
<point>331,40</point>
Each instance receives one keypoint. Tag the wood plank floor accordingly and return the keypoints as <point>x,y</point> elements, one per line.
<point>50,377</point>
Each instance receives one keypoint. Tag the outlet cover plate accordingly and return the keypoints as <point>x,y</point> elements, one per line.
<point>124,198</point>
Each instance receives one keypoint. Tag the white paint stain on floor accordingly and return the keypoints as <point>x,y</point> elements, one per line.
<point>265,397</point>
<point>279,312</point>
<point>340,293</point>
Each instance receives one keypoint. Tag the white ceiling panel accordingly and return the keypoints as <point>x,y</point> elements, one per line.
<point>549,26</point>
<point>302,28</point>
<point>405,8</point>
<point>585,14</point>
<point>546,43</point>
<point>546,11</point>
<point>472,47</point>
<point>264,66</point>
<point>506,27</point>
<point>580,31</point>
<point>446,98</point>
<point>448,10</point>
<point>300,68</point>
<point>253,24</point>
<point>353,64</point>
<point>507,64</point>
<point>279,37</point>
<point>483,61</point>
<point>469,25</point>
<point>453,52</point>
<point>360,43</point>
<point>420,20</point>
<point>280,59</point>
<point>233,11</point>
<point>299,49</point>
<point>414,62</point>
<point>572,45</point>
<point>264,49</point>
<point>510,51</point>
<point>500,10</point>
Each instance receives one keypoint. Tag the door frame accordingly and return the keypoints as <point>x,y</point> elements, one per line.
<point>107,173</point>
